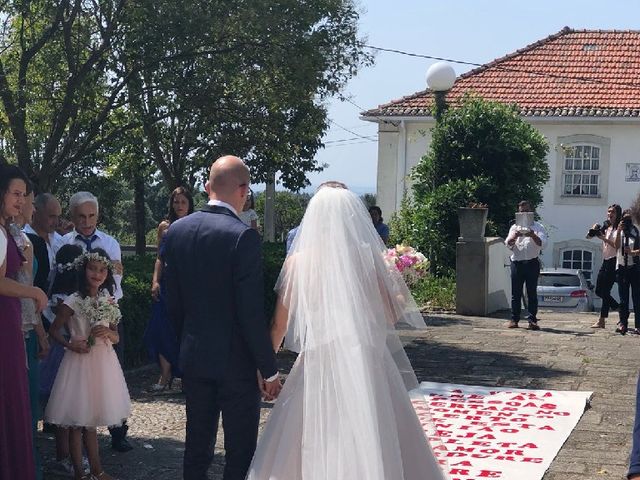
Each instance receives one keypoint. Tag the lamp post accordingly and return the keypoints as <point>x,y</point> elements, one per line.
<point>440,79</point>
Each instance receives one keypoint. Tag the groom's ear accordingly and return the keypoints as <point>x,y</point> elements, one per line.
<point>207,188</point>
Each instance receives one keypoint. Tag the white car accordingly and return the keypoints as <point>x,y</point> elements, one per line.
<point>564,289</point>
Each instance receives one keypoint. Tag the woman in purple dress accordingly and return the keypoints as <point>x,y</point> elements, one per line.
<point>16,442</point>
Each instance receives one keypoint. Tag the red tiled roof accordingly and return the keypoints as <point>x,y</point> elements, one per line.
<point>585,73</point>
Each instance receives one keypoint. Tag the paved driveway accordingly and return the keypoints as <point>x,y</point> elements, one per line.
<point>565,355</point>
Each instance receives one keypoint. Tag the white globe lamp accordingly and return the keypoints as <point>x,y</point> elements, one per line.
<point>440,77</point>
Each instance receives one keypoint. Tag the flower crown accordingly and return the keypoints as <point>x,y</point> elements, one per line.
<point>63,267</point>
<point>86,257</point>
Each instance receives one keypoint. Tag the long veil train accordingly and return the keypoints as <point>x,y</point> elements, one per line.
<point>344,412</point>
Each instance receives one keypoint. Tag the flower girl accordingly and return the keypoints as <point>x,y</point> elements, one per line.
<point>89,390</point>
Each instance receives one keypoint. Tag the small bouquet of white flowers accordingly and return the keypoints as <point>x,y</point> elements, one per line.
<point>101,310</point>
<point>411,264</point>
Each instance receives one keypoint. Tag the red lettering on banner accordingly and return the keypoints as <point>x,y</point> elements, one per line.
<point>529,445</point>
<point>459,471</point>
<point>465,449</point>
<point>481,444</point>
<point>514,452</point>
<point>532,460</point>
<point>490,450</point>
<point>507,459</point>
<point>463,463</point>
<point>489,474</point>
<point>488,436</point>
<point>548,406</point>
<point>547,427</point>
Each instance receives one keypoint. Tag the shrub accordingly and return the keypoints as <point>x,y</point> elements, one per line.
<point>136,306</point>
<point>435,293</point>
<point>274,255</point>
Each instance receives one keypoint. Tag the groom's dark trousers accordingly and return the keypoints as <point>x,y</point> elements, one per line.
<point>213,269</point>
<point>240,402</point>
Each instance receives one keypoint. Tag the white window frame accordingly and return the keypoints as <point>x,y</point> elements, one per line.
<point>588,272</point>
<point>585,180</point>
<point>566,143</point>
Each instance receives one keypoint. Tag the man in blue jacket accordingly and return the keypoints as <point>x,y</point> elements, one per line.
<point>215,299</point>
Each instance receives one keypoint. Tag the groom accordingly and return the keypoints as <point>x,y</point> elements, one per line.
<point>215,299</point>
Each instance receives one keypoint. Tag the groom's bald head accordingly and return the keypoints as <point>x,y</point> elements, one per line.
<point>229,181</point>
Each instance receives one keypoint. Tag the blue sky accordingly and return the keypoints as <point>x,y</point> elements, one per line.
<point>470,30</point>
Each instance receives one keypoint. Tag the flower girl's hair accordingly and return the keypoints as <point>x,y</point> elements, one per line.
<point>95,254</point>
<point>66,275</point>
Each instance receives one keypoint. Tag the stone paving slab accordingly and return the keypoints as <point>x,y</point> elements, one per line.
<point>564,355</point>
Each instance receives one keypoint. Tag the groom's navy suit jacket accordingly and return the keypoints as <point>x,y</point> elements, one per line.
<point>215,296</point>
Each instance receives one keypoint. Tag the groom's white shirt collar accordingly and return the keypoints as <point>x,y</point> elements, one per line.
<point>220,203</point>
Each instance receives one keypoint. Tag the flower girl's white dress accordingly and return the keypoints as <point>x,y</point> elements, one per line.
<point>90,389</point>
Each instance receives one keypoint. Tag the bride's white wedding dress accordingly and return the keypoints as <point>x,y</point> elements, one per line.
<point>344,412</point>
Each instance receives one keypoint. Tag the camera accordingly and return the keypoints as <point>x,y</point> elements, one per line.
<point>598,229</point>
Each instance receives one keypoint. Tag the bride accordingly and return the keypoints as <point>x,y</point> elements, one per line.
<point>344,412</point>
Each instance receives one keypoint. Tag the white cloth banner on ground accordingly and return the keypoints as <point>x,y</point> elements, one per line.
<point>494,432</point>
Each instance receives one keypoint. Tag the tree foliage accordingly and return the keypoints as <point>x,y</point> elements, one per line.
<point>196,79</point>
<point>289,210</point>
<point>482,152</point>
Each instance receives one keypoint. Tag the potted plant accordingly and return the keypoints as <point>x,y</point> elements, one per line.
<point>472,220</point>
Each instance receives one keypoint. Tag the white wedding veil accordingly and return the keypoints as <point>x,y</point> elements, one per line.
<point>337,286</point>
<point>344,412</point>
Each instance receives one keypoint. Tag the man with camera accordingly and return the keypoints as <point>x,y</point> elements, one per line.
<point>608,233</point>
<point>525,243</point>
<point>627,246</point>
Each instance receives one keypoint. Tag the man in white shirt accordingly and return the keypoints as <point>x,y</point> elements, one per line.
<point>525,245</point>
<point>83,210</point>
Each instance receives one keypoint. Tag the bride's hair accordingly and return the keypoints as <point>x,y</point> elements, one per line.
<point>333,184</point>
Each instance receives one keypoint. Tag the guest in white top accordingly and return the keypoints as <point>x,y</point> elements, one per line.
<point>525,245</point>
<point>607,274</point>
<point>83,210</point>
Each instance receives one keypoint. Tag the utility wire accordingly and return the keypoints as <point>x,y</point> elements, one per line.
<point>350,139</point>
<point>507,69</point>
<point>349,131</point>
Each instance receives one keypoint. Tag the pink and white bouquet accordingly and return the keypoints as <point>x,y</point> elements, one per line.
<point>411,264</point>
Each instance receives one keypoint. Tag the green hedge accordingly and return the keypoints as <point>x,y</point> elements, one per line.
<point>136,302</point>
<point>136,306</point>
<point>430,292</point>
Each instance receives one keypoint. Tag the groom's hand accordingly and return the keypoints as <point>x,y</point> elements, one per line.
<point>269,390</point>
<point>272,389</point>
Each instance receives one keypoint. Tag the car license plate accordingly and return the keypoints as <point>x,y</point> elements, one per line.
<point>552,299</point>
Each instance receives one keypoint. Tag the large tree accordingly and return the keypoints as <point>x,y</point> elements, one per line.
<point>480,151</point>
<point>55,96</point>
<point>246,77</point>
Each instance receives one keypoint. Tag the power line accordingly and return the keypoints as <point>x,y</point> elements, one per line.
<point>349,131</point>
<point>349,139</point>
<point>351,143</point>
<point>506,69</point>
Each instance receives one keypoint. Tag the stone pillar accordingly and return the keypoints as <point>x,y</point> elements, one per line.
<point>482,277</point>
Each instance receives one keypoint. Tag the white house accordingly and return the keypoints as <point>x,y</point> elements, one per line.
<point>581,90</point>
